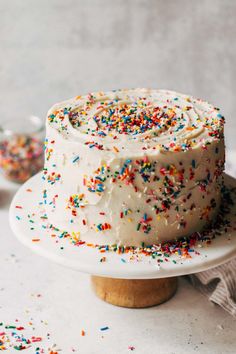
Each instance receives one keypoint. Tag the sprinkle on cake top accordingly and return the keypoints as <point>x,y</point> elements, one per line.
<point>163,120</point>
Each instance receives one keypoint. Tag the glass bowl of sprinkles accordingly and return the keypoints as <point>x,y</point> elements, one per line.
<point>21,148</point>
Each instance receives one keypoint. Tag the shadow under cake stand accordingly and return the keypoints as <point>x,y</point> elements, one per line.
<point>120,281</point>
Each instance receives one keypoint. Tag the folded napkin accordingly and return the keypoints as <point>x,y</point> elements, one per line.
<point>219,284</point>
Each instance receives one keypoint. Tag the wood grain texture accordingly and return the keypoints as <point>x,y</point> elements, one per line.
<point>134,293</point>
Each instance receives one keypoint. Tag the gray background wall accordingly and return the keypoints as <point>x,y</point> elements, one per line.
<point>51,50</point>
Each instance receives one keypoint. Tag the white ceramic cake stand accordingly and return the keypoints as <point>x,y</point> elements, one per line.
<point>118,280</point>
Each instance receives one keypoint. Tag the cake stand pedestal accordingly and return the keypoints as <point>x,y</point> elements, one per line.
<point>134,293</point>
<point>118,280</point>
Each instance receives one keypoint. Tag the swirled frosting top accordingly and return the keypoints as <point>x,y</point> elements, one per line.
<point>137,119</point>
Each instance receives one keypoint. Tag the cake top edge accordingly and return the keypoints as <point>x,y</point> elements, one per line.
<point>169,120</point>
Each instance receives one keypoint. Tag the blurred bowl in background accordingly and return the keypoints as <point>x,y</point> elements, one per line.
<point>21,148</point>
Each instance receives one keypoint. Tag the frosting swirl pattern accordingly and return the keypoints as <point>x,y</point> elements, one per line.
<point>165,119</point>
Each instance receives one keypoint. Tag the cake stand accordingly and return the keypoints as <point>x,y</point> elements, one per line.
<point>120,279</point>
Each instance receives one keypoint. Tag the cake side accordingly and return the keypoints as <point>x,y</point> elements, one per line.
<point>133,166</point>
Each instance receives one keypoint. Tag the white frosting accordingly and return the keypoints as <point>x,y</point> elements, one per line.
<point>133,166</point>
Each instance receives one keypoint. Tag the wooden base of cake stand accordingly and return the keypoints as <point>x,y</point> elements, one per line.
<point>134,293</point>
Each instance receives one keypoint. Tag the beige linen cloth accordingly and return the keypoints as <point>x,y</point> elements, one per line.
<point>219,284</point>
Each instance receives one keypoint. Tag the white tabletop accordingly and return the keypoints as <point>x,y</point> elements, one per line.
<point>47,298</point>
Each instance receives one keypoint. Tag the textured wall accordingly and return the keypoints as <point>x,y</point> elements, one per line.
<point>54,49</point>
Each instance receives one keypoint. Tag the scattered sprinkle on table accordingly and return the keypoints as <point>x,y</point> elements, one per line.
<point>104,328</point>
